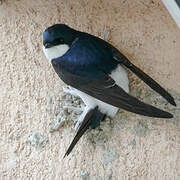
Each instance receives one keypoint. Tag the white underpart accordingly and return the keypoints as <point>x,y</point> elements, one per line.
<point>121,78</point>
<point>55,51</point>
<point>119,75</point>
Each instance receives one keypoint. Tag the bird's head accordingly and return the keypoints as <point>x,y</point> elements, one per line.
<point>57,39</point>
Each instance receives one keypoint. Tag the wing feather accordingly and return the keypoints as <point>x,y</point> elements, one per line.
<point>116,96</point>
<point>144,77</point>
<point>94,80</point>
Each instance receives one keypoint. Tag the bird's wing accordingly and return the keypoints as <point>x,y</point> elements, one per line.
<point>143,76</point>
<point>120,58</point>
<point>105,89</point>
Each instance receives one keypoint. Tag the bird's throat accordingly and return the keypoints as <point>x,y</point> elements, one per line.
<point>55,51</point>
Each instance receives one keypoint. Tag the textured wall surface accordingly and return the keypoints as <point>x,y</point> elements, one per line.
<point>129,147</point>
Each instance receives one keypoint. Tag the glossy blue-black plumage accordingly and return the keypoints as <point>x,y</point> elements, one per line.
<point>52,34</point>
<point>88,57</point>
<point>87,65</point>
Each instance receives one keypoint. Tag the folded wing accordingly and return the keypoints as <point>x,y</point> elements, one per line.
<point>143,76</point>
<point>106,90</point>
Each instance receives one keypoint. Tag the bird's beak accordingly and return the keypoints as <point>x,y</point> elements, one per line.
<point>47,45</point>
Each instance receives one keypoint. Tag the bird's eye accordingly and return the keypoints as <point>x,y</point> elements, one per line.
<point>60,40</point>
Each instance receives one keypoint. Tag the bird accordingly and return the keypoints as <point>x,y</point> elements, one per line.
<point>95,71</point>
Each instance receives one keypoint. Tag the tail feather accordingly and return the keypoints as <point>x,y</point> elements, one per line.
<point>92,118</point>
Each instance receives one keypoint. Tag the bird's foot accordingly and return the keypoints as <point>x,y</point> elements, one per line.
<point>70,90</point>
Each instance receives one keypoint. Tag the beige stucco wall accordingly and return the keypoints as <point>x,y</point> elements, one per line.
<point>133,146</point>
